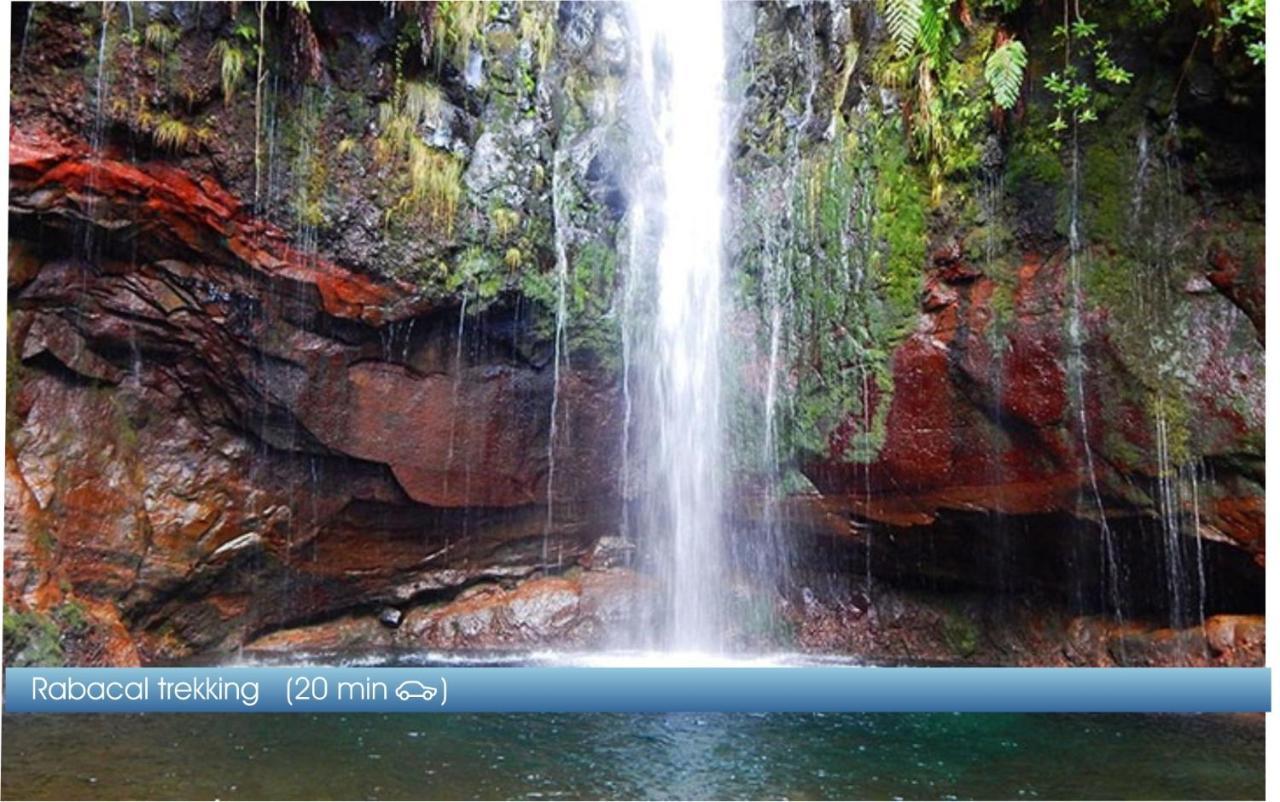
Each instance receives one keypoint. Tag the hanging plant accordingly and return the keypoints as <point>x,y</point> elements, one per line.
<point>1003,72</point>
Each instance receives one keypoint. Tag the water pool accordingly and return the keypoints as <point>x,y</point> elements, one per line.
<point>610,756</point>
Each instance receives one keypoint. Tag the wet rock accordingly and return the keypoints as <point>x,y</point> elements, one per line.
<point>390,617</point>
<point>172,411</point>
<point>611,552</point>
<point>560,611</point>
<point>967,428</point>
<point>891,625</point>
<point>612,42</point>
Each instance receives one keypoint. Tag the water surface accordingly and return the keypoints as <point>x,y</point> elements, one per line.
<point>609,756</point>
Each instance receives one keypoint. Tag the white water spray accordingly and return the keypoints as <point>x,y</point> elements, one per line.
<point>683,69</point>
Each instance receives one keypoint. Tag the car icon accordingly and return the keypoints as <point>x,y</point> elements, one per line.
<point>412,689</point>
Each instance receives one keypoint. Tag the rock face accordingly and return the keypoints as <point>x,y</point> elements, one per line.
<point>949,363</point>
<point>269,388</point>
<point>973,426</point>
<point>969,629</point>
<point>581,610</point>
<point>220,412</point>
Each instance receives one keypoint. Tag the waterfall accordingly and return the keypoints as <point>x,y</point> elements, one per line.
<point>1077,366</point>
<point>560,352</point>
<point>683,72</point>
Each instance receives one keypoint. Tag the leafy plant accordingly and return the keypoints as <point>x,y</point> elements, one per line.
<point>160,37</point>
<point>435,176</point>
<point>457,23</point>
<point>1246,20</point>
<point>504,222</point>
<point>173,134</point>
<point>902,18</point>
<point>1004,71</point>
<point>1074,94</point>
<point>422,102</point>
<point>231,60</point>
<point>945,114</point>
<point>232,54</point>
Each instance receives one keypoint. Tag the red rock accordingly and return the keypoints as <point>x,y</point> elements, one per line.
<point>972,429</point>
<point>200,457</point>
<point>196,213</point>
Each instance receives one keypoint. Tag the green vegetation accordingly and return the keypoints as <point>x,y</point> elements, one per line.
<point>434,176</point>
<point>310,169</point>
<point>160,37</point>
<point>960,634</point>
<point>504,222</point>
<point>175,135</point>
<point>1004,71</point>
<point>231,55</point>
<point>1075,98</point>
<point>34,638</point>
<point>1244,21</point>
<point>167,131</point>
<point>900,224</point>
<point>903,18</point>
<point>938,59</point>
<point>538,27</point>
<point>457,24</point>
<point>847,277</point>
<point>589,295</point>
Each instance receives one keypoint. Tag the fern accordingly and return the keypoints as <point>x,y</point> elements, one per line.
<point>902,17</point>
<point>1004,71</point>
<point>231,68</point>
<point>931,36</point>
<point>160,37</point>
<point>172,134</point>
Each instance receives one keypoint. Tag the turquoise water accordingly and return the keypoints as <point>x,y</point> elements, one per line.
<point>796,756</point>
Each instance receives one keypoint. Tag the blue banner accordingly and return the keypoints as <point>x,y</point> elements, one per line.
<point>312,689</point>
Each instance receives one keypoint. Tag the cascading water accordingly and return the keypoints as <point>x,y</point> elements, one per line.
<point>560,352</point>
<point>683,73</point>
<point>1077,368</point>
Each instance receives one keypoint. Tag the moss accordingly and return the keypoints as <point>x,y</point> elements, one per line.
<point>759,623</point>
<point>475,274</point>
<point>846,299</point>
<point>45,540</point>
<point>1109,281</point>
<point>1003,313</point>
<point>15,375</point>
<point>900,205</point>
<point>503,223</point>
<point>538,28</point>
<point>960,634</point>
<point>1121,451</point>
<point>428,181</point>
<point>1174,413</point>
<point>32,639</point>
<point>310,172</point>
<point>1106,192</point>
<point>1034,164</point>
